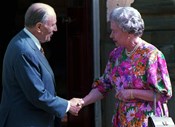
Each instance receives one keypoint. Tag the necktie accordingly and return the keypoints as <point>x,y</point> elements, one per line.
<point>42,50</point>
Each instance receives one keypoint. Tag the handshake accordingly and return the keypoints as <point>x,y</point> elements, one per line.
<point>75,105</point>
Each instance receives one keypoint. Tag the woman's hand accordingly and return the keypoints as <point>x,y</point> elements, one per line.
<point>125,95</point>
<point>129,94</point>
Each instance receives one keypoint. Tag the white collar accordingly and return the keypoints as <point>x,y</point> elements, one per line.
<point>35,40</point>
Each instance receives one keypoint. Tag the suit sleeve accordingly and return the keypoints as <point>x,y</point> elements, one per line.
<point>39,92</point>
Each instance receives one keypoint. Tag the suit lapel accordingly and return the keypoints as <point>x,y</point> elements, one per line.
<point>40,56</point>
<point>44,61</point>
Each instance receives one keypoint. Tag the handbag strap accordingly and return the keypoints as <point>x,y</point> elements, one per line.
<point>154,109</point>
<point>164,106</point>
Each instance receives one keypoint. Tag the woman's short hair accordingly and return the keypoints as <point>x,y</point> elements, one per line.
<point>128,19</point>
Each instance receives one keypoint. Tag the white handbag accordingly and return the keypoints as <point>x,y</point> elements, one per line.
<point>159,121</point>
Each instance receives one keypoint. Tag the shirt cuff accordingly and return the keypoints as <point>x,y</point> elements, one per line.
<point>68,106</point>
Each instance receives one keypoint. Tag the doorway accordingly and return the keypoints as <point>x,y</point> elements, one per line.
<point>71,56</point>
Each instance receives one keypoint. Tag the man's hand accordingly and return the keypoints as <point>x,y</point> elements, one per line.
<point>75,105</point>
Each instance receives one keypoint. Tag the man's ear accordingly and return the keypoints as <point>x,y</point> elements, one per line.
<point>38,26</point>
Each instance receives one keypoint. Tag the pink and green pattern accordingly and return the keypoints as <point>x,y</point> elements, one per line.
<point>145,69</point>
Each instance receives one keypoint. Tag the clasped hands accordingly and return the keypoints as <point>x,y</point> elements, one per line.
<point>75,105</point>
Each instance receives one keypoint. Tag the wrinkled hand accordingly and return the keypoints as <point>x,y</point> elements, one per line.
<point>123,95</point>
<point>75,105</point>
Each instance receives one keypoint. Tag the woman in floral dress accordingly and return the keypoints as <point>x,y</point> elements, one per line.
<point>136,69</point>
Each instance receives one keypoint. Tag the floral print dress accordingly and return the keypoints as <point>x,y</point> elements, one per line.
<point>146,69</point>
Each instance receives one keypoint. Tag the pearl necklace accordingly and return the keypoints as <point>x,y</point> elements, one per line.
<point>133,51</point>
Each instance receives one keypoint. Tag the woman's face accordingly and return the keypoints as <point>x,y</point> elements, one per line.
<point>119,37</point>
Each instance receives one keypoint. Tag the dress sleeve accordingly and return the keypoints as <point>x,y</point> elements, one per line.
<point>158,76</point>
<point>103,83</point>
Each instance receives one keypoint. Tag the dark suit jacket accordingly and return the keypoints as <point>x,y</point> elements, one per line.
<point>28,97</point>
